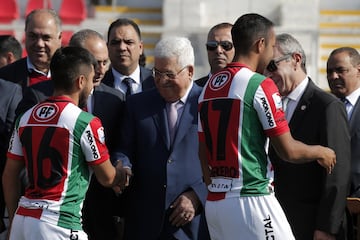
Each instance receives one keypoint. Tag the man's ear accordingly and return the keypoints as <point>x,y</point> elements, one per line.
<point>260,45</point>
<point>10,58</point>
<point>80,81</point>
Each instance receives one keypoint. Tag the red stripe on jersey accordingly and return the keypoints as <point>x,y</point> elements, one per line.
<point>33,212</point>
<point>15,157</point>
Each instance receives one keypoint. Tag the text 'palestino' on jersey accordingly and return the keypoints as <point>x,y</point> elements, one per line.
<point>238,110</point>
<point>57,141</point>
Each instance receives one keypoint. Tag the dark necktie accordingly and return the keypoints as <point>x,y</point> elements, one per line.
<point>36,77</point>
<point>128,81</point>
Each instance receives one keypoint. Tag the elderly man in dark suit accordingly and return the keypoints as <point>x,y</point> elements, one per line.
<point>166,194</point>
<point>125,48</point>
<point>343,74</point>
<point>313,201</point>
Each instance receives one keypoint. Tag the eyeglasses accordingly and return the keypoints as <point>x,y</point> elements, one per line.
<point>212,45</point>
<point>157,74</point>
<point>272,66</point>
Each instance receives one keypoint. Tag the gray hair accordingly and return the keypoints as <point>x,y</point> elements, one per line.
<point>287,44</point>
<point>79,38</point>
<point>178,47</point>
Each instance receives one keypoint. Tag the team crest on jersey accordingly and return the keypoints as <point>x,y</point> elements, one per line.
<point>277,100</point>
<point>45,112</point>
<point>219,80</point>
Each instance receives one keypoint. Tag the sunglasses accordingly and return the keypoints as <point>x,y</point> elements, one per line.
<point>272,66</point>
<point>212,45</point>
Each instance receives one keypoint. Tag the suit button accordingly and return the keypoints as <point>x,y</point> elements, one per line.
<point>165,186</point>
<point>170,160</point>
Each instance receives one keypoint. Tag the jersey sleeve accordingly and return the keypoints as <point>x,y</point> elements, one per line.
<point>15,147</point>
<point>267,102</point>
<point>93,143</point>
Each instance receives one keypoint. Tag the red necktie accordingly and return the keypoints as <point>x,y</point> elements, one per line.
<point>35,77</point>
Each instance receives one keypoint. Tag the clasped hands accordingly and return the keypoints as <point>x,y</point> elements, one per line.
<point>124,174</point>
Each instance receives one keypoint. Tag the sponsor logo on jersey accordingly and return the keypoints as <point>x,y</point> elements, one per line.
<point>218,81</point>
<point>91,141</point>
<point>277,100</point>
<point>269,230</point>
<point>101,135</point>
<point>267,110</point>
<point>45,112</point>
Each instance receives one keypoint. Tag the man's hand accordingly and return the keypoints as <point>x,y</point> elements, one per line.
<point>184,208</point>
<point>328,159</point>
<point>125,174</point>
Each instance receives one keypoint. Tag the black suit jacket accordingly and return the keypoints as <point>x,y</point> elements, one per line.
<point>355,150</point>
<point>202,81</point>
<point>311,198</point>
<point>16,72</point>
<point>146,79</point>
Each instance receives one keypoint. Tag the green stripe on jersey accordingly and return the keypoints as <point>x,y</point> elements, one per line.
<point>79,179</point>
<point>252,144</point>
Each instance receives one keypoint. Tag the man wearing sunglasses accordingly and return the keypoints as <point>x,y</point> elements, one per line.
<point>306,194</point>
<point>238,110</point>
<point>219,48</point>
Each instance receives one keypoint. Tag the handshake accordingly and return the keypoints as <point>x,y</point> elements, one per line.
<point>123,175</point>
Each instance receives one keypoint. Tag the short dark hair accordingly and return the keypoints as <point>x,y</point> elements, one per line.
<point>124,22</point>
<point>247,29</point>
<point>352,52</point>
<point>222,25</point>
<point>67,64</point>
<point>9,43</point>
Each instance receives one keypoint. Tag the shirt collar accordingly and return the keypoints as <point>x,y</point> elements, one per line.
<point>135,75</point>
<point>31,68</point>
<point>353,97</point>
<point>296,94</point>
<point>186,95</point>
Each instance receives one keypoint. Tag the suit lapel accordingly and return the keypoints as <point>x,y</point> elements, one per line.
<point>302,106</point>
<point>354,117</point>
<point>160,120</point>
<point>187,117</point>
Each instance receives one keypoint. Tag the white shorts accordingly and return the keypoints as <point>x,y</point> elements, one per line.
<point>255,218</point>
<point>30,228</point>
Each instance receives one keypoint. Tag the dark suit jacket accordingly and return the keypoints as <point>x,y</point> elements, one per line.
<point>101,203</point>
<point>161,172</point>
<point>311,198</point>
<point>202,81</point>
<point>146,79</point>
<point>10,96</point>
<point>355,150</point>
<point>16,72</point>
